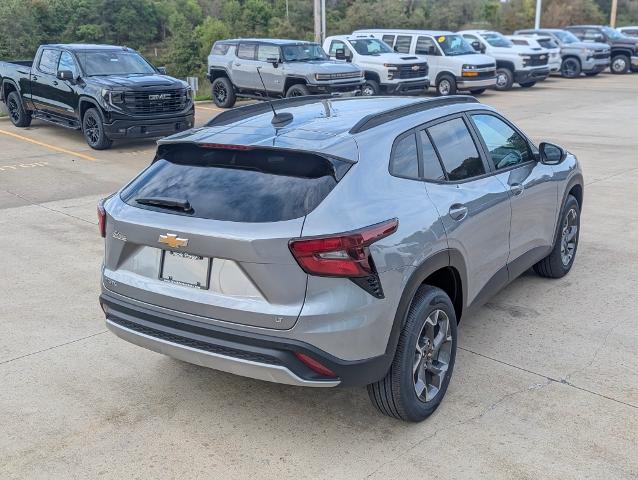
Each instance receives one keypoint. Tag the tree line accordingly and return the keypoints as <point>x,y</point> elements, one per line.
<point>180,33</point>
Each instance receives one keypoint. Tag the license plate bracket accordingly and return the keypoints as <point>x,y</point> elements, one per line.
<point>185,269</point>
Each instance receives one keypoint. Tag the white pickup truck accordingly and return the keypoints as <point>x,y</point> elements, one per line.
<point>385,70</point>
<point>454,64</point>
<point>514,64</point>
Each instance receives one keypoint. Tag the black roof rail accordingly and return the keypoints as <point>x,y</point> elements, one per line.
<point>379,118</point>
<point>247,111</point>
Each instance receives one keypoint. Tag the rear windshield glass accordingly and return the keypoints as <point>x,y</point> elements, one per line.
<point>255,185</point>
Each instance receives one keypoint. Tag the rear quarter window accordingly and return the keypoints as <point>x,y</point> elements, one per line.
<point>254,185</point>
<point>220,48</point>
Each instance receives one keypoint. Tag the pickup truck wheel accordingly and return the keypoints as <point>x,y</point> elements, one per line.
<point>504,79</point>
<point>559,262</point>
<point>370,88</point>
<point>93,129</point>
<point>297,90</point>
<point>527,84</point>
<point>446,86</point>
<point>478,91</point>
<point>223,92</point>
<point>570,68</point>
<point>422,367</point>
<point>619,64</point>
<point>18,115</point>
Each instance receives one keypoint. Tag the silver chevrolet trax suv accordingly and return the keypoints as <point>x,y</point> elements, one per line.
<point>336,243</point>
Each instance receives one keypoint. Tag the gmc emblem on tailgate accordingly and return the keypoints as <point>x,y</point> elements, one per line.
<point>160,96</point>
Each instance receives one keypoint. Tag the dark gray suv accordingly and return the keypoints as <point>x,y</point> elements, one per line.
<point>339,243</point>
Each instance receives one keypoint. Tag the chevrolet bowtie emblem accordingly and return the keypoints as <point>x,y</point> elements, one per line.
<point>172,241</point>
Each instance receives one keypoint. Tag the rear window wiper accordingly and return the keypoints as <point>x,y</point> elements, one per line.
<point>166,202</point>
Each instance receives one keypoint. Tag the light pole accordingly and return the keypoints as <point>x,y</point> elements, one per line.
<point>614,9</point>
<point>317,13</point>
<point>537,20</point>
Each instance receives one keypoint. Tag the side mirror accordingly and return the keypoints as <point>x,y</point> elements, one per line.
<point>274,61</point>
<point>551,154</point>
<point>65,75</point>
<point>477,46</point>
<point>162,70</point>
<point>340,54</point>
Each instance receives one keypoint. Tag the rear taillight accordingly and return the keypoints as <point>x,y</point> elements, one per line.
<point>341,255</point>
<point>101,218</point>
<point>315,366</point>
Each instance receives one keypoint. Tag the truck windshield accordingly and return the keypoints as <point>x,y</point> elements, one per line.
<point>566,37</point>
<point>455,45</point>
<point>613,33</point>
<point>497,40</point>
<point>370,46</point>
<point>303,53</point>
<point>113,63</point>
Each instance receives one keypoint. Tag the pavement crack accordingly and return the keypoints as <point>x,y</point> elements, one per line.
<point>53,347</point>
<point>36,204</point>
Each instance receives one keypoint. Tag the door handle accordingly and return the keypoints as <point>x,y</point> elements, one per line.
<point>34,77</point>
<point>238,64</point>
<point>517,189</point>
<point>55,82</point>
<point>458,212</point>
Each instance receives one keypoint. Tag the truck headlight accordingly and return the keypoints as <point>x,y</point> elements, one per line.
<point>524,57</point>
<point>112,98</point>
<point>390,66</point>
<point>323,76</point>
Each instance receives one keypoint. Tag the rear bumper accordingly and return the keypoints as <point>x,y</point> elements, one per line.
<point>533,75</point>
<point>149,128</point>
<point>258,356</point>
<point>408,87</point>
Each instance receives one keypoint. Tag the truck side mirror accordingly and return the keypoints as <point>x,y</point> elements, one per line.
<point>65,75</point>
<point>162,70</point>
<point>551,154</point>
<point>275,61</point>
<point>340,54</point>
<point>478,46</point>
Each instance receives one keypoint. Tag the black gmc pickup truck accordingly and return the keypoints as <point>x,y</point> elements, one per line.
<point>107,92</point>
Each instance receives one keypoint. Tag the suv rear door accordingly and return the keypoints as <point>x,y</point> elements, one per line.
<point>244,68</point>
<point>205,231</point>
<point>474,205</point>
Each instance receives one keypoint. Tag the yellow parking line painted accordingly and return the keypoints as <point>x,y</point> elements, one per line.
<point>208,108</point>
<point>51,147</point>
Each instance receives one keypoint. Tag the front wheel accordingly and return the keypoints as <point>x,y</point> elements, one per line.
<point>570,68</point>
<point>559,262</point>
<point>620,64</point>
<point>18,115</point>
<point>423,363</point>
<point>93,129</point>
<point>297,90</point>
<point>504,79</point>
<point>527,84</point>
<point>370,88</point>
<point>446,86</point>
<point>223,92</point>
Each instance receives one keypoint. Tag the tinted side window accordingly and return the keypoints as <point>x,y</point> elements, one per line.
<point>425,46</point>
<point>246,51</point>
<point>458,153</point>
<point>49,61</point>
<point>266,52</point>
<point>505,145</point>
<point>403,44</point>
<point>432,169</point>
<point>67,63</point>
<point>220,48</point>
<point>405,161</point>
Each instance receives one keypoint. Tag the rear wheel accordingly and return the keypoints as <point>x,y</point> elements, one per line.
<point>478,91</point>
<point>504,79</point>
<point>223,92</point>
<point>446,86</point>
<point>370,88</point>
<point>423,363</point>
<point>298,90</point>
<point>527,84</point>
<point>620,64</point>
<point>18,115</point>
<point>570,68</point>
<point>559,262</point>
<point>93,129</point>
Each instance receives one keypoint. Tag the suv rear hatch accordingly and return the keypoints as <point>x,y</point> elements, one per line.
<point>205,230</point>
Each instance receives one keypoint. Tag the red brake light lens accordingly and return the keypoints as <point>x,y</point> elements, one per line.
<point>101,218</point>
<point>341,255</point>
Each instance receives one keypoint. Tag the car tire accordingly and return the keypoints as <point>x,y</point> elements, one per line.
<point>446,86</point>
<point>93,130</point>
<point>504,79</point>
<point>559,262</point>
<point>17,114</point>
<point>619,64</point>
<point>478,91</point>
<point>396,394</point>
<point>223,92</point>
<point>591,74</point>
<point>370,88</point>
<point>298,90</point>
<point>570,68</point>
<point>527,84</point>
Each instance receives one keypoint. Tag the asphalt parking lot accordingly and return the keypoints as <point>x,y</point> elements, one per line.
<point>545,385</point>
